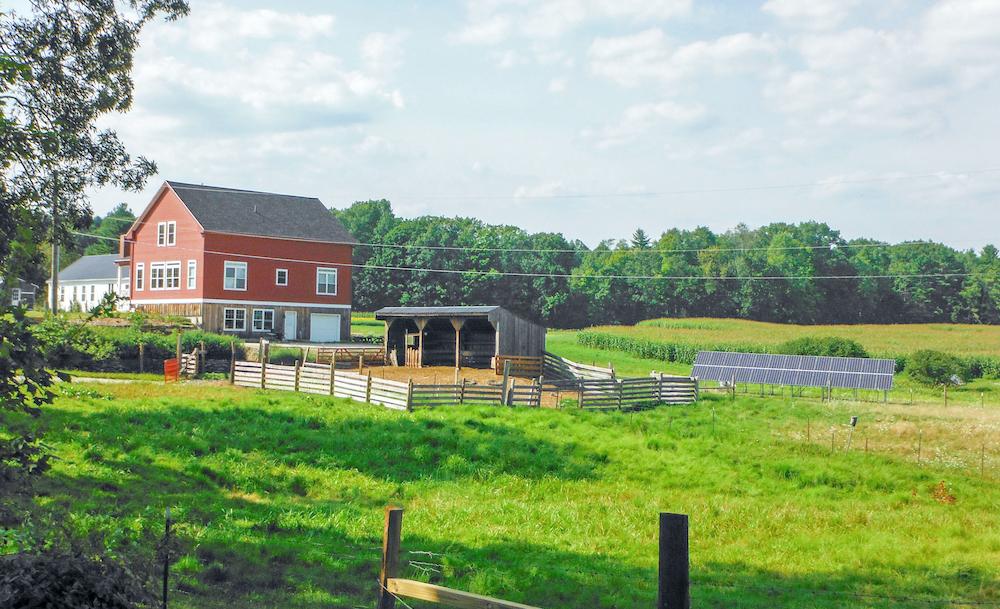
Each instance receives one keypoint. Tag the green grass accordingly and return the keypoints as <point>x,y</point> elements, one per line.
<point>898,339</point>
<point>278,497</point>
<point>365,324</point>
<point>128,376</point>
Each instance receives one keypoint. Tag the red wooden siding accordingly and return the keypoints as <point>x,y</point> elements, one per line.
<point>167,207</point>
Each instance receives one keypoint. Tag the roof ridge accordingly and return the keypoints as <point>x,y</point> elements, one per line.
<point>189,186</point>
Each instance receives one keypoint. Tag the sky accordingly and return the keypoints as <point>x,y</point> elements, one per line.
<point>588,117</point>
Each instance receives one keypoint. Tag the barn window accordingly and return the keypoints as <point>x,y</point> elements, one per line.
<point>281,277</point>
<point>192,274</point>
<point>139,284</point>
<point>263,320</point>
<point>157,275</point>
<point>234,320</point>
<point>173,275</point>
<point>326,282</point>
<point>235,276</point>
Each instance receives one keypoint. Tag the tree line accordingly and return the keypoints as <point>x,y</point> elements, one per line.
<point>684,273</point>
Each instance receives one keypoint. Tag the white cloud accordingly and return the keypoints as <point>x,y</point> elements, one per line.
<point>649,56</point>
<point>641,119</point>
<point>558,85</point>
<point>491,22</point>
<point>810,14</point>
<point>544,189</point>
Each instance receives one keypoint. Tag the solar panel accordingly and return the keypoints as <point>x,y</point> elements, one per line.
<point>795,370</point>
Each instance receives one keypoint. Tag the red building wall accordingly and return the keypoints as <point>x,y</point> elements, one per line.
<point>166,207</point>
<point>257,252</point>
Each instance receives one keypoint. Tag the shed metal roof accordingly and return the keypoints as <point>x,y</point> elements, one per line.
<point>458,311</point>
<point>247,212</point>
<point>97,268</point>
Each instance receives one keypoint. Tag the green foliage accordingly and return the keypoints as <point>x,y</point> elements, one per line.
<point>57,579</point>
<point>831,346</point>
<point>653,349</point>
<point>931,367</point>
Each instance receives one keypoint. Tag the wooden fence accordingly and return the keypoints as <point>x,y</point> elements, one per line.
<point>370,355</point>
<point>593,394</point>
<point>673,572</point>
<point>556,367</point>
<point>523,366</point>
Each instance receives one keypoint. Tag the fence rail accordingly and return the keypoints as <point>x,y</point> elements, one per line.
<point>524,366</point>
<point>556,367</point>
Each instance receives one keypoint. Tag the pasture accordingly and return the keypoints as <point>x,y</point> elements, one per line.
<point>278,497</point>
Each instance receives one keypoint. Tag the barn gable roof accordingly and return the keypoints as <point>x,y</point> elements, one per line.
<point>96,268</point>
<point>456,311</point>
<point>263,214</point>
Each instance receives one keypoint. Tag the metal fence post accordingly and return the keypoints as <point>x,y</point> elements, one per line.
<point>674,572</point>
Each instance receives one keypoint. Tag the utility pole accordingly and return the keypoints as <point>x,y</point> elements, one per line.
<point>54,284</point>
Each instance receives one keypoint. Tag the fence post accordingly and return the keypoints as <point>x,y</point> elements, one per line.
<point>506,378</point>
<point>409,396</point>
<point>697,389</point>
<point>538,400</point>
<point>232,362</point>
<point>390,555</point>
<point>203,358</point>
<point>178,347</point>
<point>621,390</point>
<point>579,396</point>
<point>659,388</point>
<point>674,574</point>
<point>461,394</point>
<point>166,556</point>
<point>263,373</point>
<point>368,388</point>
<point>298,369</point>
<point>333,368</point>
<point>142,356</point>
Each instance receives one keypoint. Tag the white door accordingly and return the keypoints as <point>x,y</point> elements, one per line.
<point>324,328</point>
<point>291,325</point>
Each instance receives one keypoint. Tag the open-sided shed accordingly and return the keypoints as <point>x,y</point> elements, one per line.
<point>464,336</point>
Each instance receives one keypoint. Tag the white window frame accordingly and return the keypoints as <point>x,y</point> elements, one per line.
<point>15,297</point>
<point>166,234</point>
<point>235,264</point>
<point>262,328</point>
<point>140,277</point>
<point>192,274</point>
<point>277,275</point>
<point>323,270</point>
<point>235,328</point>
<point>176,284</point>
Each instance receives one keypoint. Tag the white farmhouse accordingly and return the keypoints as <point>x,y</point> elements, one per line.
<point>83,284</point>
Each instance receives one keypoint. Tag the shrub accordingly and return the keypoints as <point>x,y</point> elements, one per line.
<point>830,346</point>
<point>68,580</point>
<point>935,368</point>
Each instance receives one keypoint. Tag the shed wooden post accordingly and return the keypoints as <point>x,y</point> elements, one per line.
<point>421,324</point>
<point>385,340</point>
<point>674,575</point>
<point>457,323</point>
<point>391,541</point>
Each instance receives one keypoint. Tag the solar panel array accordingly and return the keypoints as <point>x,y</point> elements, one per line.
<point>795,370</point>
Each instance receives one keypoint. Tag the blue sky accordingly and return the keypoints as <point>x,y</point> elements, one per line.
<point>589,117</point>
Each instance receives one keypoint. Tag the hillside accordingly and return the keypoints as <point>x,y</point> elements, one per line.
<point>278,497</point>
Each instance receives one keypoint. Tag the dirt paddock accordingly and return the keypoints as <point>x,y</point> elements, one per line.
<point>434,375</point>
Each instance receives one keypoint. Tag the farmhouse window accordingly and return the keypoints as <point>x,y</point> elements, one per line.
<point>74,293</point>
<point>139,277</point>
<point>263,320</point>
<point>173,275</point>
<point>92,290</point>
<point>157,274</point>
<point>235,276</point>
<point>326,282</point>
<point>281,277</point>
<point>166,233</point>
<point>234,319</point>
<point>15,296</point>
<point>192,274</point>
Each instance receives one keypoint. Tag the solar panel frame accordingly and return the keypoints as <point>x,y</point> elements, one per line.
<point>795,370</point>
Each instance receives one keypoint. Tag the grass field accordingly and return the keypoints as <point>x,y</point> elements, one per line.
<point>278,497</point>
<point>901,339</point>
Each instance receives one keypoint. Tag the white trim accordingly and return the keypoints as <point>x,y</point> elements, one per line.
<point>278,283</point>
<point>270,303</point>
<point>192,274</point>
<point>253,320</point>
<point>246,275</point>
<point>234,329</point>
<point>140,277</point>
<point>336,281</point>
<point>166,264</point>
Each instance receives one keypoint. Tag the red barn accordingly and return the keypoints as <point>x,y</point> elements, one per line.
<point>242,262</point>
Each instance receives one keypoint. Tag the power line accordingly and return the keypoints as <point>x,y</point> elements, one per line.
<point>632,250</point>
<point>495,273</point>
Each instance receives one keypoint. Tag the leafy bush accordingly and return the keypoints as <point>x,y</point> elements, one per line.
<point>68,580</point>
<point>830,346</point>
<point>64,343</point>
<point>935,368</point>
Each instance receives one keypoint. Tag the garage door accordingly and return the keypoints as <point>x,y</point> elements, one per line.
<point>324,328</point>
